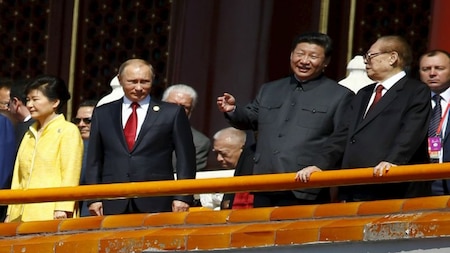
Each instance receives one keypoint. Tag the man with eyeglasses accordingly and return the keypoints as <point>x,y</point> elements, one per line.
<point>83,122</point>
<point>5,90</point>
<point>386,125</point>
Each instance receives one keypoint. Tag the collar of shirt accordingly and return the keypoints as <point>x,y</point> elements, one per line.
<point>388,83</point>
<point>141,111</point>
<point>445,98</point>
<point>27,118</point>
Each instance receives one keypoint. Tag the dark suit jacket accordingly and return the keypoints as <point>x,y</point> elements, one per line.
<point>7,156</point>
<point>202,147</point>
<point>442,187</point>
<point>21,129</point>
<point>7,152</point>
<point>394,130</point>
<point>293,121</point>
<point>165,129</point>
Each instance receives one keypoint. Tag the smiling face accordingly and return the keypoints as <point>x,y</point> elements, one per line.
<point>308,61</point>
<point>434,70</point>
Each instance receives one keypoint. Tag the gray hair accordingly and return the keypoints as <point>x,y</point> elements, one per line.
<point>232,134</point>
<point>183,88</point>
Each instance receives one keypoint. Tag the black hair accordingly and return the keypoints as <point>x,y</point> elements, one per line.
<point>316,38</point>
<point>18,90</point>
<point>52,87</point>
<point>90,103</point>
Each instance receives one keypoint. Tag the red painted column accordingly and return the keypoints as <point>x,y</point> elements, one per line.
<point>439,28</point>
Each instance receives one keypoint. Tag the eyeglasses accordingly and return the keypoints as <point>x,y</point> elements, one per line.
<point>78,120</point>
<point>368,56</point>
<point>4,105</point>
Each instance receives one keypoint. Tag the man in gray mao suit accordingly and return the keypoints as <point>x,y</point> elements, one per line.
<point>293,116</point>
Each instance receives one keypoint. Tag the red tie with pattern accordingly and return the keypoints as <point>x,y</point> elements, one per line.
<point>378,95</point>
<point>131,126</point>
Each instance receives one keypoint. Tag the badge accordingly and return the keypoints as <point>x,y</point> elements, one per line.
<point>156,108</point>
<point>434,147</point>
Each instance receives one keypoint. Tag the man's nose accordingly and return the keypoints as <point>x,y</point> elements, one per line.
<point>433,72</point>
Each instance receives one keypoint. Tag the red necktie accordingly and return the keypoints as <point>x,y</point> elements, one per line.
<point>131,126</point>
<point>378,95</point>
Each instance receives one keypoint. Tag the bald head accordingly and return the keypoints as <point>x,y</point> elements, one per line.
<point>228,144</point>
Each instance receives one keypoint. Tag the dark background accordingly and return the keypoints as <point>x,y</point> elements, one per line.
<point>212,45</point>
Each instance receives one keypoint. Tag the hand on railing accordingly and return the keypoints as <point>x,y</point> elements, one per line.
<point>96,208</point>
<point>382,168</point>
<point>304,174</point>
<point>179,206</point>
<point>57,215</point>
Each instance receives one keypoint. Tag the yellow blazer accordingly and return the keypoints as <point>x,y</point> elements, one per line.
<point>51,159</point>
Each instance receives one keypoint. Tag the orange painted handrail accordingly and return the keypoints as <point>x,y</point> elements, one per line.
<point>269,182</point>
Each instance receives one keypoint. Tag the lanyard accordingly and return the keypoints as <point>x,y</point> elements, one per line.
<point>441,122</point>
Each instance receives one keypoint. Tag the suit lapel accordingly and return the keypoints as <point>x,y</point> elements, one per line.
<point>117,125</point>
<point>447,130</point>
<point>385,101</point>
<point>361,103</point>
<point>153,112</point>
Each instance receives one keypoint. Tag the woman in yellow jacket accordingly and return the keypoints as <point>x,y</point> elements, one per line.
<point>50,153</point>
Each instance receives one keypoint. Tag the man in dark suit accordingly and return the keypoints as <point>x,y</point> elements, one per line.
<point>383,133</point>
<point>293,116</point>
<point>434,70</point>
<point>7,156</point>
<point>186,96</point>
<point>19,109</point>
<point>132,140</point>
<point>83,121</point>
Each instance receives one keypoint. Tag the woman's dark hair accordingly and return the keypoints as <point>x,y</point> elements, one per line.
<point>52,87</point>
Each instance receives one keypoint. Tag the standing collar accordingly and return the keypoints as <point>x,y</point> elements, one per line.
<point>308,84</point>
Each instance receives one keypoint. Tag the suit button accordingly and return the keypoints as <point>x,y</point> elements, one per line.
<point>275,152</point>
<point>292,104</point>
<point>314,110</point>
<point>352,141</point>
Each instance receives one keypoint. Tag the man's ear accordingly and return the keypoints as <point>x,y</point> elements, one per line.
<point>393,58</point>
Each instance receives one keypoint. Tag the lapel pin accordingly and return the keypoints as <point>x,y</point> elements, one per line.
<point>156,108</point>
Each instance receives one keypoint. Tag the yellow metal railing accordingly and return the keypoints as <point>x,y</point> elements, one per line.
<point>270,182</point>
